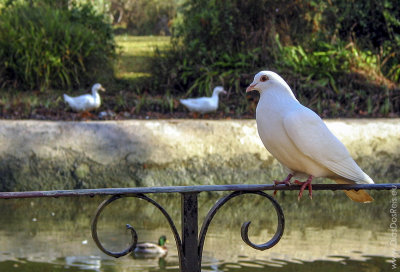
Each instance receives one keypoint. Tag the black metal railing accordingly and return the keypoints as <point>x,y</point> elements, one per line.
<point>190,242</point>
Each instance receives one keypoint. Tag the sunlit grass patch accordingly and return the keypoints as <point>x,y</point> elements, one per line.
<point>141,45</point>
<point>135,53</point>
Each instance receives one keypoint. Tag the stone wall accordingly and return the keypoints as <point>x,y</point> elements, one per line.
<point>38,155</point>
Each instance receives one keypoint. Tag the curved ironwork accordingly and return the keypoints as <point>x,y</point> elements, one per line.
<point>245,227</point>
<point>193,264</point>
<point>133,232</point>
<point>95,237</point>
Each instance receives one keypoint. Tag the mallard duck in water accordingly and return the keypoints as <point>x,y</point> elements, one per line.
<point>152,249</point>
<point>85,103</point>
<point>204,104</point>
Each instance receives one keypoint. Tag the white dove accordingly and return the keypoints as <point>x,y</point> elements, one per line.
<point>85,102</point>
<point>299,139</point>
<point>204,104</point>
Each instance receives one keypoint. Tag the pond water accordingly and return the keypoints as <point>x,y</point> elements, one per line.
<point>328,233</point>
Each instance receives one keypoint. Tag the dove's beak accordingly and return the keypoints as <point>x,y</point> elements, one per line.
<point>251,87</point>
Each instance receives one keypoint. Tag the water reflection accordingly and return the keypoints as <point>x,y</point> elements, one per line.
<point>84,262</point>
<point>329,233</point>
<point>370,263</point>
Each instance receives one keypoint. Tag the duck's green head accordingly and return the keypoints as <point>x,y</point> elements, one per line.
<point>162,240</point>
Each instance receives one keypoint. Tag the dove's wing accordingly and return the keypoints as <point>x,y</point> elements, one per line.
<point>313,138</point>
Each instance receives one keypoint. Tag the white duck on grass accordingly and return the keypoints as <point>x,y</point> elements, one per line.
<point>85,103</point>
<point>204,104</point>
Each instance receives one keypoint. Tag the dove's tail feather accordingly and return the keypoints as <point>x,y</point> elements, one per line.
<point>359,196</point>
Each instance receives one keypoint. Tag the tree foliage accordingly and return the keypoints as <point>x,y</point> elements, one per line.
<point>144,17</point>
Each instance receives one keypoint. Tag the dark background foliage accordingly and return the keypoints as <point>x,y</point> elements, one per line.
<point>143,17</point>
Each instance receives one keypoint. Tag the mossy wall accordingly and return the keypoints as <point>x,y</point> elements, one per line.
<point>38,155</point>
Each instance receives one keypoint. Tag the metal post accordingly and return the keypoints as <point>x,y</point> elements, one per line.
<point>190,260</point>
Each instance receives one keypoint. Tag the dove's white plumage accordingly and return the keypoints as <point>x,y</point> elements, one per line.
<point>299,139</point>
<point>85,102</point>
<point>204,104</point>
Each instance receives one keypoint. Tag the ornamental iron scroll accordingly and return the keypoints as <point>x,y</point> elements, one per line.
<point>245,227</point>
<point>190,248</point>
<point>133,243</point>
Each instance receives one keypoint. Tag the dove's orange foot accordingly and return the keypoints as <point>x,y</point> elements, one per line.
<point>305,184</point>
<point>285,181</point>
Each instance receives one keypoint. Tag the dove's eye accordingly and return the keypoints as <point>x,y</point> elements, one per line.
<point>264,78</point>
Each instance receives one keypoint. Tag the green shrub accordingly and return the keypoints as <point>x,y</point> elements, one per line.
<point>338,79</point>
<point>373,25</point>
<point>43,46</point>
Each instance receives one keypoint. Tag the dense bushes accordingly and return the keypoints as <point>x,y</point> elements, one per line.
<point>338,55</point>
<point>373,25</point>
<point>42,46</point>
